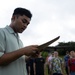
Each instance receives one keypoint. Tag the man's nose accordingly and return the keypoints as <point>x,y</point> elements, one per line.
<point>25,25</point>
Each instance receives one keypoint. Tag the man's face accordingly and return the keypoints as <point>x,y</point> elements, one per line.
<point>56,54</point>
<point>21,23</point>
<point>72,53</point>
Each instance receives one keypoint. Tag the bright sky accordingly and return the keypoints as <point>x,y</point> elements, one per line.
<point>51,18</point>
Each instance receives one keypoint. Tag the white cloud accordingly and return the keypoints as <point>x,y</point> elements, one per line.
<point>51,18</point>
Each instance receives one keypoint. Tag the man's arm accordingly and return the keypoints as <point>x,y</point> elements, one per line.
<point>51,70</point>
<point>68,70</point>
<point>45,69</point>
<point>34,67</point>
<point>62,67</point>
<point>69,66</point>
<point>7,58</point>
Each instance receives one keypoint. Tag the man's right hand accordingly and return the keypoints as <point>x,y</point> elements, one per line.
<point>30,50</point>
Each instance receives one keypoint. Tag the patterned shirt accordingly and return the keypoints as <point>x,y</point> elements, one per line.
<point>56,65</point>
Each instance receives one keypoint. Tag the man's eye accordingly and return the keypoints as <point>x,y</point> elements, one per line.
<point>24,21</point>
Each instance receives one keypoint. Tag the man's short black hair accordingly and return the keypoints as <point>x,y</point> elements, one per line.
<point>22,11</point>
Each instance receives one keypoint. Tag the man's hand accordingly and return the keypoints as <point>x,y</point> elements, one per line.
<point>30,50</point>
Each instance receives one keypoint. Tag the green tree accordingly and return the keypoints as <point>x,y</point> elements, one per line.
<point>65,46</point>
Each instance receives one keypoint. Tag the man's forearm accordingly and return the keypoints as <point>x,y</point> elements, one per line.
<point>62,67</point>
<point>68,70</point>
<point>7,58</point>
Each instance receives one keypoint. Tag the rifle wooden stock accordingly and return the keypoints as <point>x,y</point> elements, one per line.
<point>43,46</point>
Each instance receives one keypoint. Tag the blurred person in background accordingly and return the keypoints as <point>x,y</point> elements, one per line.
<point>49,61</point>
<point>66,58</point>
<point>71,63</point>
<point>39,65</point>
<point>57,65</point>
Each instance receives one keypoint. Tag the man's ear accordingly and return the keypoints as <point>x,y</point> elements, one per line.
<point>13,17</point>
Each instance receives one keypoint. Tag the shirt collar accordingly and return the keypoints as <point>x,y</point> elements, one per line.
<point>10,29</point>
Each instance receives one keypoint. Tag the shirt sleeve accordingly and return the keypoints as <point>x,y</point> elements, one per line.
<point>51,61</point>
<point>62,61</point>
<point>2,43</point>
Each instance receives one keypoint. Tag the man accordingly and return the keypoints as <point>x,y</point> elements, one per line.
<point>30,66</point>
<point>12,52</point>
<point>66,58</point>
<point>49,60</point>
<point>57,65</point>
<point>39,65</point>
<point>71,63</point>
<point>47,63</point>
<point>71,53</point>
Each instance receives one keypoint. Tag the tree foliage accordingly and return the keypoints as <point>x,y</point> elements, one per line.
<point>65,46</point>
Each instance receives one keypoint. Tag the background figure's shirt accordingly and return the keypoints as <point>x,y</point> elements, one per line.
<point>56,63</point>
<point>39,62</point>
<point>9,42</point>
<point>31,61</point>
<point>71,64</point>
<point>49,60</point>
<point>66,57</point>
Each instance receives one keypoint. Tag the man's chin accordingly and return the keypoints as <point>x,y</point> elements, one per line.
<point>21,31</point>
